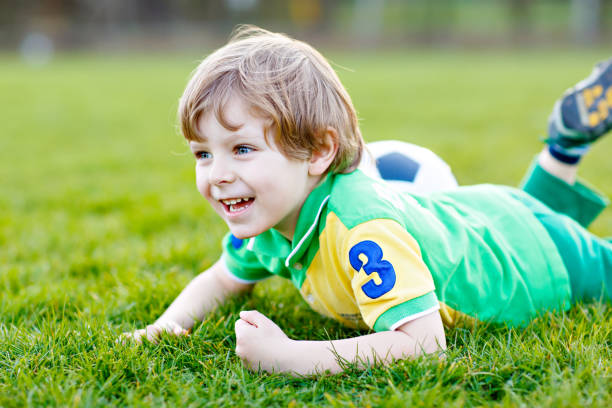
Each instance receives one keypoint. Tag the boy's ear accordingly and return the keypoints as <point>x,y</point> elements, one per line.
<point>325,152</point>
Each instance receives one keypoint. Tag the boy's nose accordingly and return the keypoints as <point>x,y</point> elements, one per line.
<point>220,172</point>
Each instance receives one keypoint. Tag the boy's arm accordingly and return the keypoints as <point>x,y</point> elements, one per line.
<point>262,345</point>
<point>199,297</point>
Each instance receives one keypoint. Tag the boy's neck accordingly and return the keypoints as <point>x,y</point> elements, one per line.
<point>289,233</point>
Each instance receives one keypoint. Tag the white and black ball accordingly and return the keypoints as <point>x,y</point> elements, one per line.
<point>407,167</point>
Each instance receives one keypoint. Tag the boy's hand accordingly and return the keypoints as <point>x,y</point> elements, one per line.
<point>260,343</point>
<point>153,331</point>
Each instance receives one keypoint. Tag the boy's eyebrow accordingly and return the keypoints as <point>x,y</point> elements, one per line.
<point>194,144</point>
<point>200,137</point>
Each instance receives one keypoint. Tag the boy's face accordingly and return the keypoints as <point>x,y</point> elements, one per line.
<point>249,182</point>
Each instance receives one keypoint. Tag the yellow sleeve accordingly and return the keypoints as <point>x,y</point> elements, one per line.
<point>391,283</point>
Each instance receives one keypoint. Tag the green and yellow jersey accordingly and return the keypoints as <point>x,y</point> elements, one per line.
<point>369,256</point>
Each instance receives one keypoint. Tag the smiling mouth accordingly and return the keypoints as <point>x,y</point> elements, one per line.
<point>235,206</point>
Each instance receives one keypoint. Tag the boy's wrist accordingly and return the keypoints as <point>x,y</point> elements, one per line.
<point>288,355</point>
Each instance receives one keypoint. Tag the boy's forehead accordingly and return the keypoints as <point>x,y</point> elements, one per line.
<point>237,112</point>
<point>210,128</point>
<point>234,115</point>
<point>210,125</point>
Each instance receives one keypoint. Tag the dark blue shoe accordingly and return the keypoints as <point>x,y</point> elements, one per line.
<point>584,112</point>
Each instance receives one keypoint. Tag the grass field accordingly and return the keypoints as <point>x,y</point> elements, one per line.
<point>101,226</point>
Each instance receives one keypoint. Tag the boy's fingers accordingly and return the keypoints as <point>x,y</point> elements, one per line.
<point>135,336</point>
<point>125,338</point>
<point>179,331</point>
<point>151,333</point>
<point>254,317</point>
<point>241,326</point>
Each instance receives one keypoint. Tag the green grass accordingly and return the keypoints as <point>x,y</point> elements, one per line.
<point>101,226</point>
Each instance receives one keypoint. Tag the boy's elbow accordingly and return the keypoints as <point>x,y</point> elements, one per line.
<point>425,343</point>
<point>434,343</point>
<point>426,334</point>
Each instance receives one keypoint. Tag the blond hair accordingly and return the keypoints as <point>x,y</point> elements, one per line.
<point>279,78</point>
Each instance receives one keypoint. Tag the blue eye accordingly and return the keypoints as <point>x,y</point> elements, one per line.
<point>202,155</point>
<point>243,149</point>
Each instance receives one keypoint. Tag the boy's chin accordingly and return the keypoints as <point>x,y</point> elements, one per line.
<point>242,236</point>
<point>242,233</point>
<point>248,229</point>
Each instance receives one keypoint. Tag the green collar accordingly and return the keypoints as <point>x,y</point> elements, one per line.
<point>272,243</point>
<point>309,219</point>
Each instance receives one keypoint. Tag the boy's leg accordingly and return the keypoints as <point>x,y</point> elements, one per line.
<point>580,117</point>
<point>578,200</point>
<point>587,258</point>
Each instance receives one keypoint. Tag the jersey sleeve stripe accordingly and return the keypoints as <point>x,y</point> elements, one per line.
<point>414,316</point>
<point>406,311</point>
<point>234,272</point>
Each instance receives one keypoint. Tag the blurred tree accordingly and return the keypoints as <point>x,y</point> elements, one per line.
<point>87,23</point>
<point>438,20</point>
<point>586,20</point>
<point>368,21</point>
<point>155,11</point>
<point>305,13</point>
<point>520,14</point>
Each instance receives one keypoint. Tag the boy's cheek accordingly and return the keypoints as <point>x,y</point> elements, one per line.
<point>205,192</point>
<point>201,188</point>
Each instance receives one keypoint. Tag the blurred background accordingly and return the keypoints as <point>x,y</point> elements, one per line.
<point>38,27</point>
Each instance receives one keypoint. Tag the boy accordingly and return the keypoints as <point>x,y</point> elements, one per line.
<point>276,142</point>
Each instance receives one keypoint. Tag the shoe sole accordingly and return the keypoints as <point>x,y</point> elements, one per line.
<point>586,108</point>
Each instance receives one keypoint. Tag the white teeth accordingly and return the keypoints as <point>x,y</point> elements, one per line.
<point>233,201</point>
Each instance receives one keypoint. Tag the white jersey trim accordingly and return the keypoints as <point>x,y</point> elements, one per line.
<point>314,223</point>
<point>414,316</point>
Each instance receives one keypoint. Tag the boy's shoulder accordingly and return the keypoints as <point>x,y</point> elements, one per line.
<point>356,198</point>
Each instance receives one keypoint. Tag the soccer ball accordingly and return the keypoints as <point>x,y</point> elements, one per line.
<point>407,167</point>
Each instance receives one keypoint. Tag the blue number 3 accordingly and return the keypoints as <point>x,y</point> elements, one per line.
<point>375,263</point>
